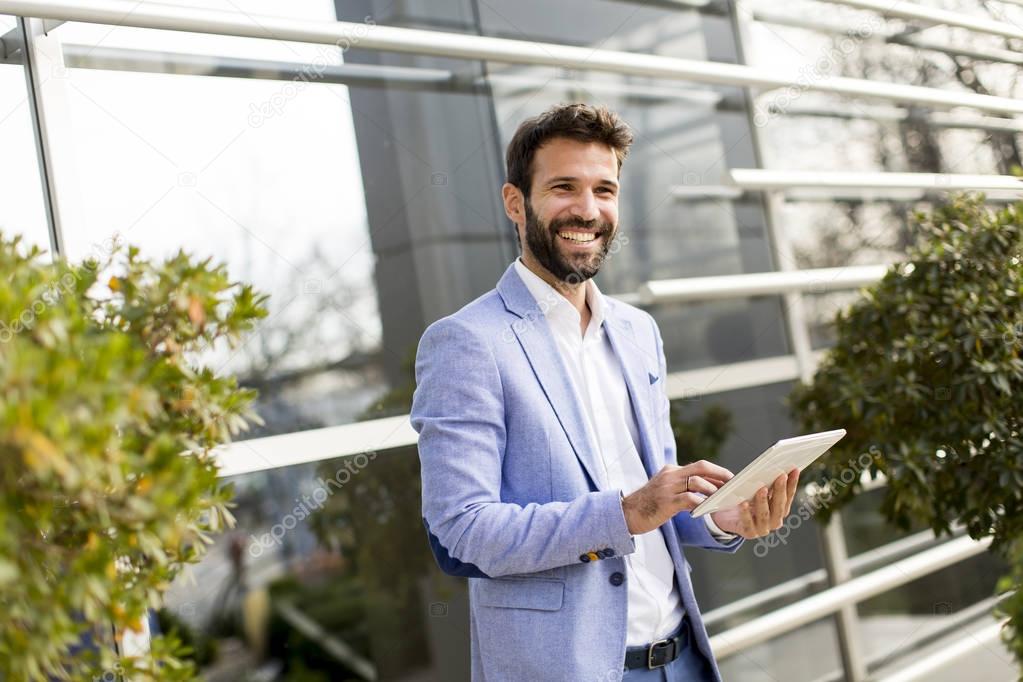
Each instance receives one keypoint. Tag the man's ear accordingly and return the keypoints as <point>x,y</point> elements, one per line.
<point>514,203</point>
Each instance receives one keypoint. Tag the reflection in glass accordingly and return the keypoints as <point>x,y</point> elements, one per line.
<point>260,174</point>
<point>328,575</point>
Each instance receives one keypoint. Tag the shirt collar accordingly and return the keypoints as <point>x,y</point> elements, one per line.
<point>555,307</point>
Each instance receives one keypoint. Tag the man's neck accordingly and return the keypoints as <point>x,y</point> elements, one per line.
<point>575,293</point>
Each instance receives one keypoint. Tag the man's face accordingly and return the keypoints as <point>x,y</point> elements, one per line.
<point>572,211</point>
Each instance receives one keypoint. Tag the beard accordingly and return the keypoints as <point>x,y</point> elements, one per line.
<point>544,243</point>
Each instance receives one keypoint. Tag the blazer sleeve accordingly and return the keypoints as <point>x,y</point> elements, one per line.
<point>692,532</point>
<point>458,409</point>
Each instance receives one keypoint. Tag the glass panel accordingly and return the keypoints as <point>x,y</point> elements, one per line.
<point>929,607</point>
<point>789,656</point>
<point>262,174</point>
<point>687,136</point>
<point>821,310</point>
<point>21,209</point>
<point>739,425</point>
<point>865,528</point>
<point>327,557</point>
<point>700,335</point>
<point>607,24</point>
<point>433,178</point>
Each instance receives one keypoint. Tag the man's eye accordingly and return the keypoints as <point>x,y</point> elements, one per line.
<point>562,186</point>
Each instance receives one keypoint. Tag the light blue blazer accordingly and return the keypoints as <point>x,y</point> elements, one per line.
<point>511,498</point>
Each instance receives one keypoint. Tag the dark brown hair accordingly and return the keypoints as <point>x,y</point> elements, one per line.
<point>581,122</point>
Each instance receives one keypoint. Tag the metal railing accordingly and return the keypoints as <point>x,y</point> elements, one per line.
<point>911,11</point>
<point>774,282</point>
<point>926,667</point>
<point>475,47</point>
<point>768,179</point>
<point>789,618</point>
<point>909,39</point>
<point>874,558</point>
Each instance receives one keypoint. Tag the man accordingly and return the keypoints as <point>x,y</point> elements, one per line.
<point>548,462</point>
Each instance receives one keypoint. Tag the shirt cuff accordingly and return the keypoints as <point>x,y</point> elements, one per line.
<point>621,499</point>
<point>716,533</point>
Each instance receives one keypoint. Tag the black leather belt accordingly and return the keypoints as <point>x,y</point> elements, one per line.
<point>658,654</point>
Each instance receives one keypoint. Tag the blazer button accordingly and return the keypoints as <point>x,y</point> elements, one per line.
<point>608,552</point>
<point>584,558</point>
<point>616,578</point>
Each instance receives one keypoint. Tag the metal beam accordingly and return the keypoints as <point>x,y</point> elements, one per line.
<point>10,42</point>
<point>43,64</point>
<point>910,11</point>
<point>794,616</point>
<point>152,61</point>
<point>881,112</point>
<point>927,667</point>
<point>389,433</point>
<point>463,46</point>
<point>864,561</point>
<point>763,179</point>
<point>921,42</point>
<point>694,383</point>
<point>760,284</point>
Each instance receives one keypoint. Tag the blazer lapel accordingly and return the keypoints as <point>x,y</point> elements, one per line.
<point>623,342</point>
<point>534,335</point>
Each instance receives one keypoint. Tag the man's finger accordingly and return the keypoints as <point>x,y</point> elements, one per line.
<point>792,484</point>
<point>746,526</point>
<point>762,512</point>
<point>684,501</point>
<point>708,470</point>
<point>698,484</point>
<point>779,501</point>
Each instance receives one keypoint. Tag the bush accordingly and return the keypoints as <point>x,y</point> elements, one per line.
<point>107,485</point>
<point>927,378</point>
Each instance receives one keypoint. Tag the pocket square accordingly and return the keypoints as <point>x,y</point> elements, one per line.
<point>653,378</point>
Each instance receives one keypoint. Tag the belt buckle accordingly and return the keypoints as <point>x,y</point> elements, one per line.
<point>664,644</point>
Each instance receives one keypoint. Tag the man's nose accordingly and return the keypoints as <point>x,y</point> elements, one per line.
<point>585,207</point>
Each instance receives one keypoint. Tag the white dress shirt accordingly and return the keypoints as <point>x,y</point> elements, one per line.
<point>654,604</point>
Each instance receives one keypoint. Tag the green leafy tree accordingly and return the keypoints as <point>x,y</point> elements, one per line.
<point>702,436</point>
<point>107,421</point>
<point>927,378</point>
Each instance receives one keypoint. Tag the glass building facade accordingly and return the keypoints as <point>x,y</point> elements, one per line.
<point>361,189</point>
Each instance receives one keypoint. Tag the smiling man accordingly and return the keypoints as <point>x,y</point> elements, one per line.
<point>549,472</point>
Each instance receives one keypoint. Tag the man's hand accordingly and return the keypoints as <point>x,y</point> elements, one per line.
<point>764,513</point>
<point>666,494</point>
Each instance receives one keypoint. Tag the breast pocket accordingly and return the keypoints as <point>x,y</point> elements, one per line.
<point>540,595</point>
<point>658,404</point>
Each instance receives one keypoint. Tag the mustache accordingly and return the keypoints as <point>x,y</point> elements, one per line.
<point>602,226</point>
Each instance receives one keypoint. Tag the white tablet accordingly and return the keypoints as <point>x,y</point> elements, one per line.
<point>781,458</point>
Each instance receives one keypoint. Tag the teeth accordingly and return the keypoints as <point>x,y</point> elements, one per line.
<point>578,236</point>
